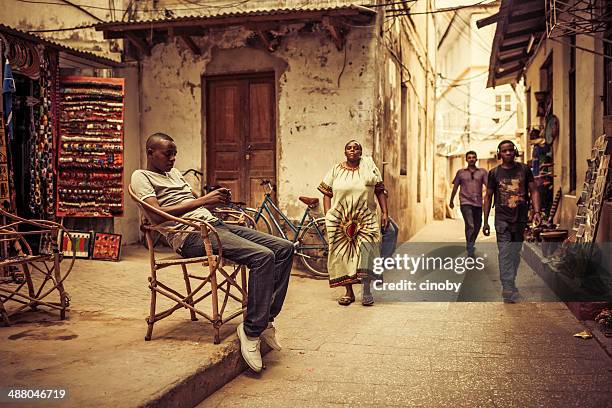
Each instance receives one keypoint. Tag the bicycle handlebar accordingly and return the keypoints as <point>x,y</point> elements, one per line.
<point>269,184</point>
<point>195,172</point>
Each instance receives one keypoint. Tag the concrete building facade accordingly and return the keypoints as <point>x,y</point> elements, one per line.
<point>564,70</point>
<point>311,77</point>
<point>469,115</point>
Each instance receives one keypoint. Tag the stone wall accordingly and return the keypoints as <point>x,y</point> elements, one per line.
<point>60,18</point>
<point>405,113</point>
<point>323,100</point>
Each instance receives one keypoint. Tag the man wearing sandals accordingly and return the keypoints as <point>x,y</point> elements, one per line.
<point>351,189</point>
<point>268,258</point>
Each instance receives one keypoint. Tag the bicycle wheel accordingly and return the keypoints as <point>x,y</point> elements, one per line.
<point>262,224</point>
<point>313,248</point>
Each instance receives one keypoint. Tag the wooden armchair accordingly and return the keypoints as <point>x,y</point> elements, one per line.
<point>28,276</point>
<point>214,269</point>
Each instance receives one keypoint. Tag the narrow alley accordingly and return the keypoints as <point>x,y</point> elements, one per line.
<point>486,354</point>
<point>181,181</point>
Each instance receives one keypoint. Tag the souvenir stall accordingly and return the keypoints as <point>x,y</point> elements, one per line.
<point>90,147</point>
<point>30,75</point>
<point>61,160</point>
<point>541,140</point>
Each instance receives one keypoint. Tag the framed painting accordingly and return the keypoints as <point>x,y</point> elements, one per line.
<point>45,245</point>
<point>106,246</point>
<point>77,242</point>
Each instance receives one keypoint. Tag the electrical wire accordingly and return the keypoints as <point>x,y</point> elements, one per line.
<point>52,30</point>
<point>166,7</point>
<point>463,79</point>
<point>481,41</point>
<point>81,9</point>
<point>500,127</point>
<point>582,48</point>
<point>390,27</point>
<point>446,10</point>
<point>127,11</point>
<point>471,96</point>
<point>488,136</point>
<point>426,67</point>
<point>403,67</point>
<point>85,26</point>
<point>468,38</point>
<point>111,9</point>
<point>390,4</point>
<point>462,110</point>
<point>220,6</point>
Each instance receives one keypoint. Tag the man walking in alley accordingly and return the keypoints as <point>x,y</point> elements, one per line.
<point>512,184</point>
<point>268,258</point>
<point>471,180</point>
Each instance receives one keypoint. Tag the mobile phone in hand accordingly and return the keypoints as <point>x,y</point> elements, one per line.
<point>227,192</point>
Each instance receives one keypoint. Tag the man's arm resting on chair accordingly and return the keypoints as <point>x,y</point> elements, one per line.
<point>211,200</point>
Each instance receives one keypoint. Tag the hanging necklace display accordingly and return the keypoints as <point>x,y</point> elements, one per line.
<point>35,196</point>
<point>41,195</point>
<point>90,159</point>
<point>5,192</point>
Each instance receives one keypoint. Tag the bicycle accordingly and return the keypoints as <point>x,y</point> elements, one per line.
<point>311,245</point>
<point>233,213</point>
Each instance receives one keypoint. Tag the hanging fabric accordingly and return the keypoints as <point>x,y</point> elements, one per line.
<point>42,173</point>
<point>8,89</point>
<point>6,202</point>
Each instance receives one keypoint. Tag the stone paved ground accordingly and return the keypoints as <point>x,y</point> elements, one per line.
<point>99,353</point>
<point>425,354</point>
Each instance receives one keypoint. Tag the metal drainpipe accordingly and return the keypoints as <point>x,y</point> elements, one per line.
<point>140,138</point>
<point>433,164</point>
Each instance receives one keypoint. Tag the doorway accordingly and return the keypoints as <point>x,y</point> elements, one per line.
<point>241,134</point>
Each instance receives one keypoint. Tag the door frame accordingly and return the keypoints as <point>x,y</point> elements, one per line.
<point>205,80</point>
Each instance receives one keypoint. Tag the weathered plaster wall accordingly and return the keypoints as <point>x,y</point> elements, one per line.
<point>128,224</point>
<point>316,116</point>
<point>465,107</point>
<point>318,111</point>
<point>411,41</point>
<point>58,15</point>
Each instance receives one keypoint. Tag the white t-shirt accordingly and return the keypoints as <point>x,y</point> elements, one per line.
<point>170,189</point>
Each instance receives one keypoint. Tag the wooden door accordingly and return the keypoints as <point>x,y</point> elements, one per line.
<point>241,134</point>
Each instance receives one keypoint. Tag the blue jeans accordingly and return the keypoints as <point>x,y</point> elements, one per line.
<point>509,245</point>
<point>472,216</point>
<point>269,260</point>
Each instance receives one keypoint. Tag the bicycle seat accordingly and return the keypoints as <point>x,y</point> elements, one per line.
<point>309,201</point>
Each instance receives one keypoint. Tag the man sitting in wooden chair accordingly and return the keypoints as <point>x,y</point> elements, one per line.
<point>269,258</point>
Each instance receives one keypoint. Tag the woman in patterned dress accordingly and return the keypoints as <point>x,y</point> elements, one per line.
<point>350,192</point>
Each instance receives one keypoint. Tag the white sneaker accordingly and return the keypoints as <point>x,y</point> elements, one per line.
<point>269,336</point>
<point>249,349</point>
